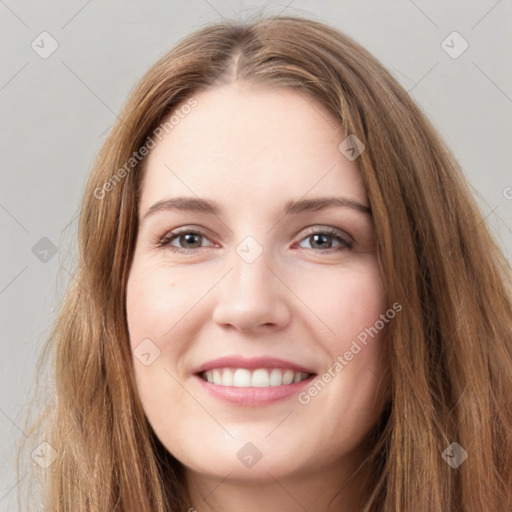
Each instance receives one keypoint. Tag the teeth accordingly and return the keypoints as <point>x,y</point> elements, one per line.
<point>276,377</point>
<point>288,377</point>
<point>241,379</point>
<point>259,378</point>
<point>227,377</point>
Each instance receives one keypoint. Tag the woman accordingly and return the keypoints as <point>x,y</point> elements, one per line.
<point>286,298</point>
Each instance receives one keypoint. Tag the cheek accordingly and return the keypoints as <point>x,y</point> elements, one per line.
<point>361,332</point>
<point>153,309</point>
<point>157,300</point>
<point>346,301</point>
<point>163,316</point>
<point>351,305</point>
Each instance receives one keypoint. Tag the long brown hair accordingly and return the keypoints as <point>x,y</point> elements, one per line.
<point>450,348</point>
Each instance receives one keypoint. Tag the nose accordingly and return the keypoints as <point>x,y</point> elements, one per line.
<point>251,298</point>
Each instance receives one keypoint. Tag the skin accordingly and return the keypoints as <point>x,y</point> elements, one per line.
<point>252,149</point>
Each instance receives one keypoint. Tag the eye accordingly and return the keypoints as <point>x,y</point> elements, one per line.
<point>182,241</point>
<point>326,240</point>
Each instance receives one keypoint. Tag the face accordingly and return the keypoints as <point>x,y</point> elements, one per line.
<point>256,308</point>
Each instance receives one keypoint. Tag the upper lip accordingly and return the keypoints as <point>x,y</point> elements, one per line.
<point>251,363</point>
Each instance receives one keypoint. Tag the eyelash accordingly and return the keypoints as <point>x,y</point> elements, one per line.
<point>165,241</point>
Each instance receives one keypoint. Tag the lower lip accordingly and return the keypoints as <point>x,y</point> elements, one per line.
<point>250,396</point>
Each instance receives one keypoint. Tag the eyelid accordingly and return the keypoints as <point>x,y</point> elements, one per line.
<point>320,228</point>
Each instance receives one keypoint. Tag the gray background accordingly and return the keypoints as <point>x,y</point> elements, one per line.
<point>56,111</point>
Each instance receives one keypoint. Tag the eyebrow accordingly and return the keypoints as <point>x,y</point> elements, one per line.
<point>290,208</point>
<point>308,205</point>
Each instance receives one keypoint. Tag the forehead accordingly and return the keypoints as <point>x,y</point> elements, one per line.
<point>252,143</point>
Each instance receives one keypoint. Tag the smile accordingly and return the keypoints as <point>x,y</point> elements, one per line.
<point>252,381</point>
<point>257,378</point>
